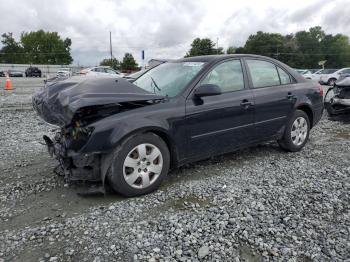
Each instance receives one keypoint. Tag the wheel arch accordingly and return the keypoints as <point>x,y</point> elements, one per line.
<point>163,134</point>
<point>308,110</point>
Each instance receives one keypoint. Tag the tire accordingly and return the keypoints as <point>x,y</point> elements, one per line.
<point>331,81</point>
<point>294,140</point>
<point>327,101</point>
<point>141,179</point>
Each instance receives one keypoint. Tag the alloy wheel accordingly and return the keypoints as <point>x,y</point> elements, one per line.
<point>142,166</point>
<point>299,131</point>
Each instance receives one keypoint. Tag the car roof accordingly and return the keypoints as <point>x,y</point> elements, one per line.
<point>215,58</point>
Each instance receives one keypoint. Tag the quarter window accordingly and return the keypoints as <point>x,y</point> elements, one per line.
<point>285,79</point>
<point>227,75</point>
<point>263,73</point>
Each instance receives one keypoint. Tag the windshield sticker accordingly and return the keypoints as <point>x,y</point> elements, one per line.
<point>193,63</point>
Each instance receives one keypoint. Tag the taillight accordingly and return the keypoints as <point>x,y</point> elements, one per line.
<point>320,88</point>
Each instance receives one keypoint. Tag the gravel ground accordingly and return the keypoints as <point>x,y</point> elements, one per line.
<point>258,204</point>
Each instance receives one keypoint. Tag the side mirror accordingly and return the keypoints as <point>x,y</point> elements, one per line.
<point>207,90</point>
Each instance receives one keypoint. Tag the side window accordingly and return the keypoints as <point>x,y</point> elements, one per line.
<point>110,71</point>
<point>263,73</point>
<point>227,75</point>
<point>285,79</point>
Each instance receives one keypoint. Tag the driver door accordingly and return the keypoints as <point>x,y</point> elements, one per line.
<point>220,123</point>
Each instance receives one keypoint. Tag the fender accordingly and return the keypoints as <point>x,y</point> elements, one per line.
<point>116,128</point>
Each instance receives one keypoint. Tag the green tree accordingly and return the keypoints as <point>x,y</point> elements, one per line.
<point>46,48</point>
<point>113,63</point>
<point>203,47</point>
<point>231,50</point>
<point>268,44</point>
<point>12,51</point>
<point>128,62</point>
<point>336,51</point>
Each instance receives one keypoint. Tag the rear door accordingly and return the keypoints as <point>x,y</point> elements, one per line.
<point>220,123</point>
<point>273,94</point>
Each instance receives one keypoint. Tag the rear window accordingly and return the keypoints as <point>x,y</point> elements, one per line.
<point>263,73</point>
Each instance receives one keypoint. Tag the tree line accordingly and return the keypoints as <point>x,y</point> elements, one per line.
<point>40,47</point>
<point>37,47</point>
<point>128,63</point>
<point>304,49</point>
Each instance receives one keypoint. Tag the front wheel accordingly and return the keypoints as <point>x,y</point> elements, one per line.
<point>296,133</point>
<point>139,165</point>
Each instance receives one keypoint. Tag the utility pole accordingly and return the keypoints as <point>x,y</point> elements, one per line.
<point>110,44</point>
<point>217,45</point>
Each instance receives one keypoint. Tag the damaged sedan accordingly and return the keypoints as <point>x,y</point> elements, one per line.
<point>337,99</point>
<point>131,134</point>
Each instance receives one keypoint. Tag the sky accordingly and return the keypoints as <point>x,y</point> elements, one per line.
<point>165,29</point>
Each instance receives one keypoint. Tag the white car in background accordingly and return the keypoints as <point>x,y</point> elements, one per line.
<point>101,71</point>
<point>317,75</point>
<point>331,78</point>
<point>64,72</point>
<point>305,73</point>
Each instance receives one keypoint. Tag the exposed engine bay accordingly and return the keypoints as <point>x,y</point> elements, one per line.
<point>76,105</point>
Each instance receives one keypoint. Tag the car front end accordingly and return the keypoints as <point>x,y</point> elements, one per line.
<point>79,108</point>
<point>337,100</point>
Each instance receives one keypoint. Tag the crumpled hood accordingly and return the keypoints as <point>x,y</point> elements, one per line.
<point>60,100</point>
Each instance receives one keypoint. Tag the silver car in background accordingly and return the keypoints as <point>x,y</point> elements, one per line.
<point>101,71</point>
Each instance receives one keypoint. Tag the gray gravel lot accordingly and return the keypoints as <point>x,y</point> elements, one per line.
<point>258,204</point>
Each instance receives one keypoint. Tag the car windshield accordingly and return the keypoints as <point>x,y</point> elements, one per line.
<point>169,79</point>
<point>301,71</point>
<point>327,71</point>
<point>137,74</point>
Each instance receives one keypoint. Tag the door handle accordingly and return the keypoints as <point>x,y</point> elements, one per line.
<point>246,104</point>
<point>290,96</point>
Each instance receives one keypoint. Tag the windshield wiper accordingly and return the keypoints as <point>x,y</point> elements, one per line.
<point>155,84</point>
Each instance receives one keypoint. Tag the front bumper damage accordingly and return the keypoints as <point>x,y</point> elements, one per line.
<point>337,100</point>
<point>73,166</point>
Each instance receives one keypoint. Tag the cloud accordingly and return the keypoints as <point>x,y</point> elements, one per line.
<point>165,29</point>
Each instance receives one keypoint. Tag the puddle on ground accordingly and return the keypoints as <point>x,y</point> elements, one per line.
<point>247,254</point>
<point>57,205</point>
<point>187,202</point>
<point>344,134</point>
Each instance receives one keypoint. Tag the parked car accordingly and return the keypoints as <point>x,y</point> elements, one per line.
<point>337,99</point>
<point>101,71</point>
<point>64,72</point>
<point>15,73</point>
<point>318,74</point>
<point>130,134</point>
<point>342,76</point>
<point>33,71</point>
<point>331,78</point>
<point>2,74</point>
<point>305,73</point>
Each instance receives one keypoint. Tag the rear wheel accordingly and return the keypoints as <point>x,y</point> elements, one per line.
<point>139,165</point>
<point>296,133</point>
